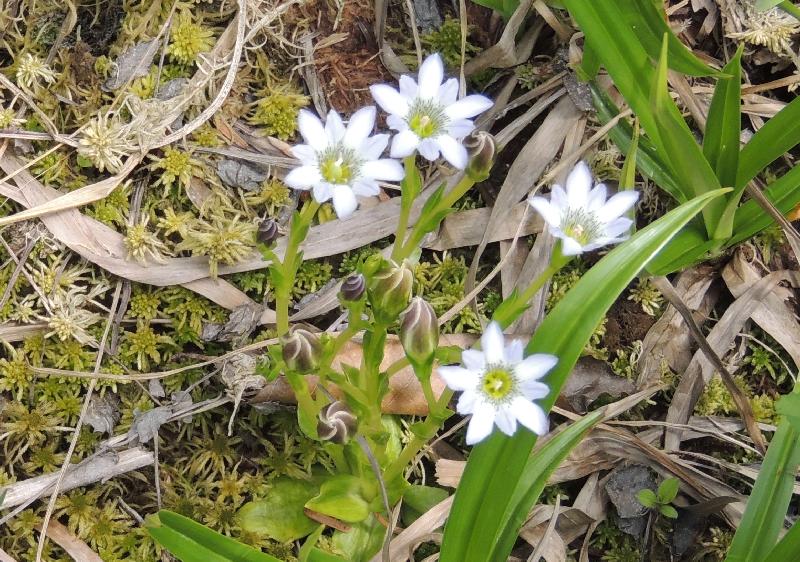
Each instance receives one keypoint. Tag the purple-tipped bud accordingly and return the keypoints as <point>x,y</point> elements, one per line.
<point>481,148</point>
<point>268,232</point>
<point>336,423</point>
<point>301,351</point>
<point>353,288</point>
<point>390,291</point>
<point>419,332</point>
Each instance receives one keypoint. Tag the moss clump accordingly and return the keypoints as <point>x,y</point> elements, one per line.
<point>222,240</point>
<point>277,113</point>
<point>447,41</point>
<point>188,39</point>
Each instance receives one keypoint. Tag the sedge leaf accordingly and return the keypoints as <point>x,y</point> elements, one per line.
<point>788,548</point>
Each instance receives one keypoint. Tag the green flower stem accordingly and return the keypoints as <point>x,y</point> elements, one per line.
<point>290,264</point>
<point>447,201</point>
<point>425,431</point>
<point>406,202</point>
<point>302,393</point>
<point>397,366</point>
<point>370,375</point>
<point>557,261</point>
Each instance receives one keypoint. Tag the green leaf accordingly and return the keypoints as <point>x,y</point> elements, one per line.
<point>340,497</point>
<point>764,5</point>
<point>778,135</point>
<point>789,407</point>
<point>649,23</point>
<point>361,541</point>
<point>418,499</point>
<point>668,490</point>
<point>766,508</point>
<point>192,542</point>
<point>647,497</point>
<point>723,129</point>
<point>280,515</point>
<point>495,467</point>
<point>668,511</point>
<point>788,548</point>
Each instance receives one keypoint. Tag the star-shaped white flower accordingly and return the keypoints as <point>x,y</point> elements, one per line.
<point>582,217</point>
<point>428,116</point>
<point>339,162</point>
<point>499,386</point>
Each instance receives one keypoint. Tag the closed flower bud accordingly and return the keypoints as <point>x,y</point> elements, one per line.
<point>353,288</point>
<point>336,423</point>
<point>419,332</point>
<point>301,351</point>
<point>268,232</point>
<point>390,291</point>
<point>481,148</point>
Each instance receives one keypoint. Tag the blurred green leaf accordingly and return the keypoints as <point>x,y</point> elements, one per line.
<point>189,541</point>
<point>778,135</point>
<point>647,497</point>
<point>668,490</point>
<point>340,497</point>
<point>668,511</point>
<point>788,548</point>
<point>280,515</point>
<point>723,128</point>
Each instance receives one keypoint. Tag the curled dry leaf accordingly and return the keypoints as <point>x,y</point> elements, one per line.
<point>590,379</point>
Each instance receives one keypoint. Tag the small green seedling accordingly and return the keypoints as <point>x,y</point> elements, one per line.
<point>662,499</point>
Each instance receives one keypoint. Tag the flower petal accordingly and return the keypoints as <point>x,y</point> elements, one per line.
<point>481,424</point>
<point>366,187</point>
<point>312,130</point>
<point>597,197</point>
<point>535,366</point>
<point>344,201</point>
<point>304,153</point>
<point>618,226</point>
<point>549,212</point>
<point>530,415</point>
<point>373,147</point>
<point>385,169</point>
<point>467,107</point>
<point>618,205</point>
<point>473,360</point>
<point>404,144</point>
<point>466,403</point>
<point>505,420</point>
<point>493,344</point>
<point>569,246</point>
<point>408,87</point>
<point>448,93</point>
<point>453,151</point>
<point>360,126</point>
<point>396,122</point>
<point>429,149</point>
<point>334,127</point>
<point>322,192</point>
<point>534,390</point>
<point>303,177</point>
<point>579,182</point>
<point>458,378</point>
<point>460,128</point>
<point>430,76</point>
<point>389,99</point>
<point>513,352</point>
<point>558,197</point>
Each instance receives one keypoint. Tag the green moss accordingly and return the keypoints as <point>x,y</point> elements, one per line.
<point>277,113</point>
<point>188,39</point>
<point>447,41</point>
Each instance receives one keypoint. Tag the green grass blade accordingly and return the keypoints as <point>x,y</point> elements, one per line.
<point>788,548</point>
<point>723,129</point>
<point>778,135</point>
<point>496,466</point>
<point>190,541</point>
<point>766,508</point>
<point>649,23</point>
<point>534,477</point>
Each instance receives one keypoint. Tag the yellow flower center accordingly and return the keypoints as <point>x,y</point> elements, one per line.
<point>339,165</point>
<point>581,225</point>
<point>427,118</point>
<point>498,383</point>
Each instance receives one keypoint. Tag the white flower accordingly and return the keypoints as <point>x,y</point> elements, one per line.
<point>428,116</point>
<point>499,386</point>
<point>581,216</point>
<point>339,162</point>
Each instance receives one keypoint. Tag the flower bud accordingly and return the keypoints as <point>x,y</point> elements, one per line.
<point>390,291</point>
<point>419,332</point>
<point>336,423</point>
<point>481,148</point>
<point>268,232</point>
<point>353,288</point>
<point>301,350</point>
